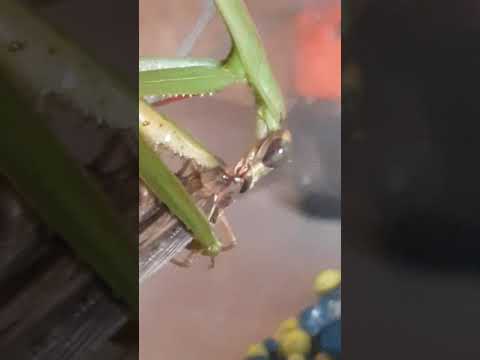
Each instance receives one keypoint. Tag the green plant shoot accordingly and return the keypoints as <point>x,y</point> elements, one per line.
<point>65,197</point>
<point>35,60</point>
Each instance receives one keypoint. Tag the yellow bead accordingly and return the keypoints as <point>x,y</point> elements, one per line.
<point>323,356</point>
<point>326,281</point>
<point>257,350</point>
<point>296,357</point>
<point>286,326</point>
<point>296,341</point>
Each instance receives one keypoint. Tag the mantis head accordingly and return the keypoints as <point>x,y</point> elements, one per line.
<point>267,155</point>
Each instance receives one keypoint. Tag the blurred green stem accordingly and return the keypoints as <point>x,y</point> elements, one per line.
<point>39,61</point>
<point>65,197</point>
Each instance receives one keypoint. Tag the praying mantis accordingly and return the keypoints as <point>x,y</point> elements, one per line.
<point>64,69</point>
<point>199,206</point>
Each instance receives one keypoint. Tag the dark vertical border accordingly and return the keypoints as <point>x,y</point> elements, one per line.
<point>410,199</point>
<point>72,313</point>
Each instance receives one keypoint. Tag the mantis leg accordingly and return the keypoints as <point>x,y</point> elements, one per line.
<point>187,168</point>
<point>214,211</point>
<point>187,262</point>
<point>157,131</point>
<point>232,241</point>
<point>227,231</point>
<point>229,234</point>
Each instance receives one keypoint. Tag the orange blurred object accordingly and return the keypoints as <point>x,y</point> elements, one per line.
<point>318,52</point>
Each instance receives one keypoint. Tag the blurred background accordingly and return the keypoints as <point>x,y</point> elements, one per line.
<point>410,249</point>
<point>288,228</point>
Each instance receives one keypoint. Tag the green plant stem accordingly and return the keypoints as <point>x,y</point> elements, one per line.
<point>65,197</point>
<point>38,61</point>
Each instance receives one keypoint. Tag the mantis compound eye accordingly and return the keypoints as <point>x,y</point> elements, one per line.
<point>277,151</point>
<point>271,153</point>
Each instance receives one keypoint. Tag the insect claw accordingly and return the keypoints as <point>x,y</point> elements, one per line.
<point>181,263</point>
<point>229,246</point>
<point>185,263</point>
<point>222,221</point>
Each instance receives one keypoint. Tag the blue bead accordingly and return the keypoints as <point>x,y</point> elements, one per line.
<point>335,294</point>
<point>272,347</point>
<point>329,340</point>
<point>331,305</point>
<point>315,318</point>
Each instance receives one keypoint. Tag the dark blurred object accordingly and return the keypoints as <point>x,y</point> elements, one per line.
<point>315,119</point>
<point>20,237</point>
<point>410,249</point>
<point>410,144</point>
<point>51,307</point>
<point>316,155</point>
